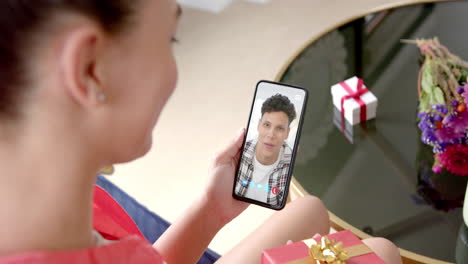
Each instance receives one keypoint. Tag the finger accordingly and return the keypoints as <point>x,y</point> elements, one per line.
<point>237,157</point>
<point>289,242</point>
<point>234,147</point>
<point>240,138</point>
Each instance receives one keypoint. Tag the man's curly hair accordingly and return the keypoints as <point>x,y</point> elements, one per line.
<point>279,103</point>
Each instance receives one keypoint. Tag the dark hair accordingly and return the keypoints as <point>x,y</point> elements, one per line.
<point>21,24</point>
<point>279,103</point>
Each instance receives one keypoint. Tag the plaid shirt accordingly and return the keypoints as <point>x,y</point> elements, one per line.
<point>277,178</point>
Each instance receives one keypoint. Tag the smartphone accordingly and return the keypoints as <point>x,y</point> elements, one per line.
<point>269,149</point>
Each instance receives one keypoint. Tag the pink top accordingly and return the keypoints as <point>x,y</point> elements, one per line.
<point>112,223</point>
<point>129,250</point>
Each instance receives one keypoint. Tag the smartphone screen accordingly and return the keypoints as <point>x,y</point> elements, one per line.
<point>268,153</point>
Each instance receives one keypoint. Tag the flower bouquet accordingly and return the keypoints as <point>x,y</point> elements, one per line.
<point>443,99</point>
<point>444,191</point>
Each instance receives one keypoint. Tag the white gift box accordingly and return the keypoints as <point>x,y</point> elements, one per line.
<point>354,134</point>
<point>352,109</point>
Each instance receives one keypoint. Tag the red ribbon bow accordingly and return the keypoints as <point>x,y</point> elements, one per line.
<point>356,95</point>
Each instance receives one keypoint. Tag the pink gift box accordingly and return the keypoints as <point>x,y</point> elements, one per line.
<point>300,250</point>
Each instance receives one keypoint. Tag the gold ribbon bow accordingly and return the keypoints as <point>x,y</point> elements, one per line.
<point>328,251</point>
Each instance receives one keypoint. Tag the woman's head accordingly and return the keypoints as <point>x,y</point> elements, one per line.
<point>100,70</point>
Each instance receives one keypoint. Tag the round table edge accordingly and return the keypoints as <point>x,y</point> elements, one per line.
<point>336,222</point>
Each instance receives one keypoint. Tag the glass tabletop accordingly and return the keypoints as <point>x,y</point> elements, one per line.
<point>378,178</point>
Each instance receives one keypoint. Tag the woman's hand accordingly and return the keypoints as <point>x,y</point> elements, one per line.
<point>197,226</point>
<point>218,194</point>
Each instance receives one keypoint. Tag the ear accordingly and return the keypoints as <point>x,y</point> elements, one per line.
<point>78,61</point>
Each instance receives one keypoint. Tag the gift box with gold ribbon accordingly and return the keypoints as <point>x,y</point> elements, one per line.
<point>337,248</point>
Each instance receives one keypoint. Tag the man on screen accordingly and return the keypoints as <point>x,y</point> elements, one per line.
<point>265,163</point>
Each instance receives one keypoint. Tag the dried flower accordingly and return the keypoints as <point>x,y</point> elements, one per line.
<point>443,100</point>
<point>465,95</point>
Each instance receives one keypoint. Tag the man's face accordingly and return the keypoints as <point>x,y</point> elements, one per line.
<point>273,130</point>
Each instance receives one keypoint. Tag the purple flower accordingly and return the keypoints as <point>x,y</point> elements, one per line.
<point>425,122</point>
<point>464,140</point>
<point>438,149</point>
<point>443,146</point>
<point>429,137</point>
<point>424,126</point>
<point>465,95</point>
<point>440,108</point>
<point>449,119</point>
<point>440,129</point>
<point>437,169</point>
<point>459,122</point>
<point>448,134</point>
<point>460,90</point>
<point>454,103</point>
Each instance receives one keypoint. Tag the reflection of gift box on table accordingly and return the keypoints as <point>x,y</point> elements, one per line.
<point>354,100</point>
<point>298,253</point>
<point>353,133</point>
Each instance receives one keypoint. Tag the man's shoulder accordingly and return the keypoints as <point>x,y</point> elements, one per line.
<point>249,149</point>
<point>287,153</point>
<point>287,149</point>
<point>250,145</point>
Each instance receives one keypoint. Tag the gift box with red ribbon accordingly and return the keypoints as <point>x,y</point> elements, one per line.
<point>354,134</point>
<point>337,248</point>
<point>356,103</point>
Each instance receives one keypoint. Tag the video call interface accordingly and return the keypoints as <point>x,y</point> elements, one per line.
<point>265,163</point>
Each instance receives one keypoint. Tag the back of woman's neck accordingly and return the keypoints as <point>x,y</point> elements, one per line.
<point>44,205</point>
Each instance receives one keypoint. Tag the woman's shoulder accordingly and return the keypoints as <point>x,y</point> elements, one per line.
<point>129,250</point>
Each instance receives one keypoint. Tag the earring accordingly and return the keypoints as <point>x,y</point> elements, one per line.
<point>109,170</point>
<point>101,97</point>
